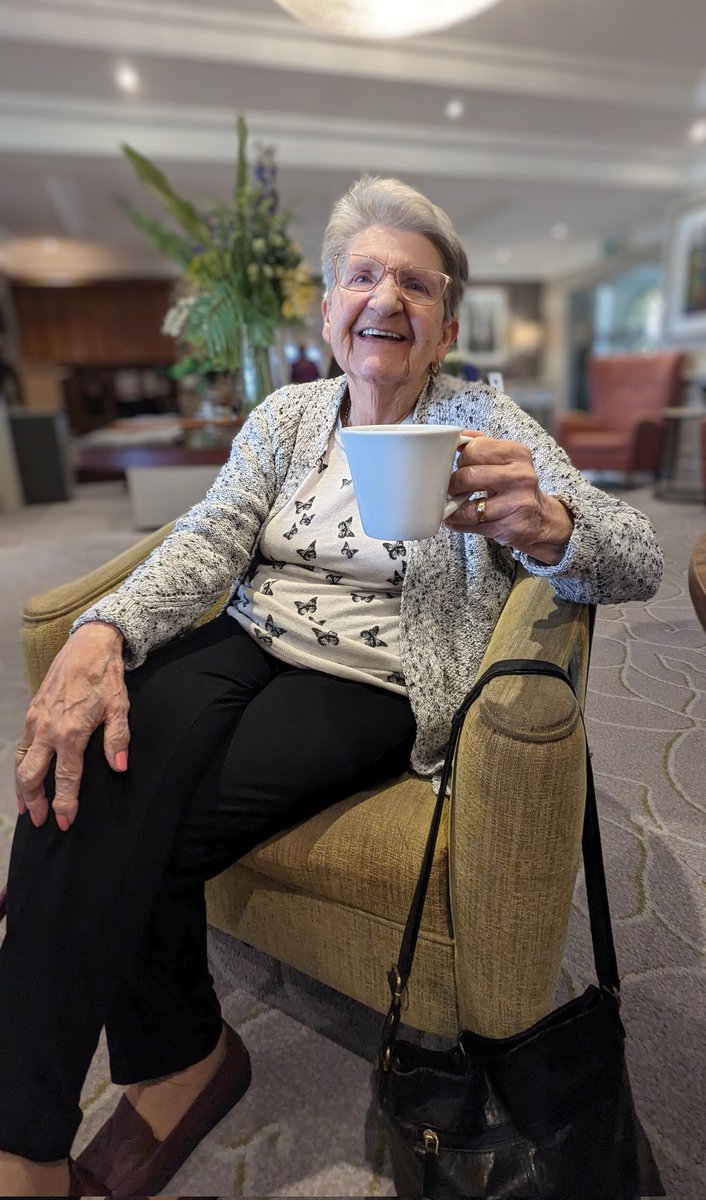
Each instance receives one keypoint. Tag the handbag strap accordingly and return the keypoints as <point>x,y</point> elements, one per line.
<point>596,888</point>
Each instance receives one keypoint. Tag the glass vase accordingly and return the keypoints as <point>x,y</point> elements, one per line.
<point>255,373</point>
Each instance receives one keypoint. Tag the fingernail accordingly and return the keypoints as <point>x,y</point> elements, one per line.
<point>21,807</point>
<point>63,823</point>
<point>36,820</point>
<point>121,760</point>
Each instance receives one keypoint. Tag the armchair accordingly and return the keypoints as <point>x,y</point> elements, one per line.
<point>330,896</point>
<point>622,431</point>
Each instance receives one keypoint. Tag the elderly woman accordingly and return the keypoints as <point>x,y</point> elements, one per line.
<point>152,757</point>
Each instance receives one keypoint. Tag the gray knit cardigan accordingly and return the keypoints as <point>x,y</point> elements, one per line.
<point>456,584</point>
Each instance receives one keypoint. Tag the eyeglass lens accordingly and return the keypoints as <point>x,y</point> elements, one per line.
<point>358,273</point>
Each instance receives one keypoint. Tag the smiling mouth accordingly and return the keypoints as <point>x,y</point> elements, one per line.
<point>382,334</point>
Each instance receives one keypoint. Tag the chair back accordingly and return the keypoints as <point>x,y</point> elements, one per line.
<point>624,388</point>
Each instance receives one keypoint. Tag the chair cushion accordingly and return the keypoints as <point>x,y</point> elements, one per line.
<point>601,449</point>
<point>365,853</point>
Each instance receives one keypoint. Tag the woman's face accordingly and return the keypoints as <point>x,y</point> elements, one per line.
<point>354,321</point>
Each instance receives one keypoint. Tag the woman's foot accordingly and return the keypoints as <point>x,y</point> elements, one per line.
<point>22,1177</point>
<point>157,1125</point>
<point>163,1102</point>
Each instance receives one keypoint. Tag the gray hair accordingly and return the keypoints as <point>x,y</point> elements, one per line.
<point>376,201</point>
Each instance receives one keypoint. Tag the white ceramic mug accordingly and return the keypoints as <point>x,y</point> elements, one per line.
<point>401,477</point>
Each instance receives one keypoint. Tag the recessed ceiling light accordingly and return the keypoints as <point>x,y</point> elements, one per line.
<point>560,231</point>
<point>697,133</point>
<point>454,109</point>
<point>127,78</point>
<point>504,254</point>
<point>50,245</point>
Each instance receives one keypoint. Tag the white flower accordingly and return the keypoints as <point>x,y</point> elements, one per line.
<point>176,317</point>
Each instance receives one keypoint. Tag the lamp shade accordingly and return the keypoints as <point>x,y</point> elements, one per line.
<point>382,18</point>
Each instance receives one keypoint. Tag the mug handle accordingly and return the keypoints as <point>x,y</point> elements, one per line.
<point>454,502</point>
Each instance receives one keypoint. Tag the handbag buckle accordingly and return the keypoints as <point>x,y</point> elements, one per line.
<point>431,1142</point>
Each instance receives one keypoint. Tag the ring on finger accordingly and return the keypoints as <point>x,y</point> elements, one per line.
<point>21,751</point>
<point>480,510</point>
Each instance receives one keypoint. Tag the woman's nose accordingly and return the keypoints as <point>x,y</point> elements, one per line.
<point>386,295</point>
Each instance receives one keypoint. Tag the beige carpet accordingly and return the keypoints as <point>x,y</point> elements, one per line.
<point>305,1128</point>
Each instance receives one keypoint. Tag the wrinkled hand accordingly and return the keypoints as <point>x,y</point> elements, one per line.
<point>84,688</point>
<point>517,512</point>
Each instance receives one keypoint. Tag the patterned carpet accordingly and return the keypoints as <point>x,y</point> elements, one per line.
<point>306,1128</point>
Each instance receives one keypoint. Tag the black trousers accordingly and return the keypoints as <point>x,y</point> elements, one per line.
<point>106,923</point>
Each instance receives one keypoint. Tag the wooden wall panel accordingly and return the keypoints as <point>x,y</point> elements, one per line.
<point>97,324</point>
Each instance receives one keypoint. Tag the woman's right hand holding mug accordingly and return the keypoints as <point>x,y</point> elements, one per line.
<point>83,689</point>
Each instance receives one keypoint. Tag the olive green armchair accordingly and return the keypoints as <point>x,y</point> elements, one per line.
<point>330,896</point>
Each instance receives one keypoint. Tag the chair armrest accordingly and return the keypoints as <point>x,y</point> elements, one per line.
<point>48,617</point>
<point>568,423</point>
<point>516,817</point>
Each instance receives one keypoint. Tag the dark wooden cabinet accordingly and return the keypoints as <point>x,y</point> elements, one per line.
<point>101,332</point>
<point>114,323</point>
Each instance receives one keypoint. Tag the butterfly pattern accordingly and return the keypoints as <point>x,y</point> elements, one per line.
<point>398,576</point>
<point>326,639</point>
<point>349,576</point>
<point>370,636</point>
<point>274,630</point>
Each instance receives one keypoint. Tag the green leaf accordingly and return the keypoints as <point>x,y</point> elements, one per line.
<point>241,171</point>
<point>215,321</point>
<point>163,239</point>
<point>181,210</point>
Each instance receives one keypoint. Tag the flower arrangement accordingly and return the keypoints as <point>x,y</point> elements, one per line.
<point>243,274</point>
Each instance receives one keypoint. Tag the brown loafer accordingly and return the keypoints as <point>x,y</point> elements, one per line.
<point>131,1161</point>
<point>83,1183</point>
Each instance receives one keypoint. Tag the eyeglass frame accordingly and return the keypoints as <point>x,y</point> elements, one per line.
<point>394,271</point>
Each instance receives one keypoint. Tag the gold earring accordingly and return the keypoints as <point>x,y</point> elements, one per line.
<point>434,368</point>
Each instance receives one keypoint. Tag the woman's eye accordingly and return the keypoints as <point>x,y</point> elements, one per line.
<point>415,285</point>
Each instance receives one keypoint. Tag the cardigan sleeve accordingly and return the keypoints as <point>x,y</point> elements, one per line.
<point>612,554</point>
<point>210,546</point>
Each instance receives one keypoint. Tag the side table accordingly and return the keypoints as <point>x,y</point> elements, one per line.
<point>679,471</point>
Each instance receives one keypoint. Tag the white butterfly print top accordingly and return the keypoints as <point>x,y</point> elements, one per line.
<point>322,594</point>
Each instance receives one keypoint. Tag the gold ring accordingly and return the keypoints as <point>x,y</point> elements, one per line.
<point>480,510</point>
<point>20,751</point>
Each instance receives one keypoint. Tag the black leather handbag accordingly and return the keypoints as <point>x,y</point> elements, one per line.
<point>546,1113</point>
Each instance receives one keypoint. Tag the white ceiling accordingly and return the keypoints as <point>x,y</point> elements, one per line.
<point>575,112</point>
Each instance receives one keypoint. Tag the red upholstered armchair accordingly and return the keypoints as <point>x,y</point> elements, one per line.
<point>622,431</point>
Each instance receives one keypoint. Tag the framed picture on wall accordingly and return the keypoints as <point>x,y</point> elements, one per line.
<point>483,324</point>
<point>685,273</point>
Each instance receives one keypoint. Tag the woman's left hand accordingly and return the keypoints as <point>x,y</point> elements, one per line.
<point>516,511</point>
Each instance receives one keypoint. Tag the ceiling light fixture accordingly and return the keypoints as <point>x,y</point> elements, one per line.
<point>454,109</point>
<point>394,19</point>
<point>127,78</point>
<point>697,133</point>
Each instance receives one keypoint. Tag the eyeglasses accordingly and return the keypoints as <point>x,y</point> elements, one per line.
<point>360,273</point>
